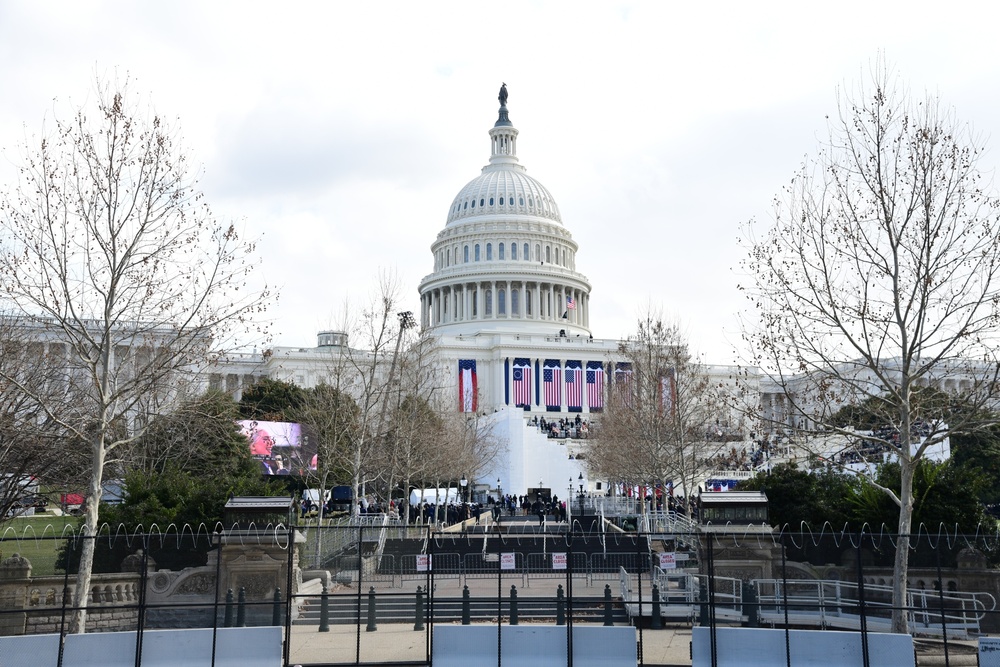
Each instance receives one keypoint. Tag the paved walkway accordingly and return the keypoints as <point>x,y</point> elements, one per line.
<point>399,642</point>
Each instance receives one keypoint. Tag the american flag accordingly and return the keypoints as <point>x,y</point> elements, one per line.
<point>468,387</point>
<point>595,385</point>
<point>668,392</point>
<point>570,304</point>
<point>552,380</point>
<point>574,385</point>
<point>623,382</point>
<point>522,382</point>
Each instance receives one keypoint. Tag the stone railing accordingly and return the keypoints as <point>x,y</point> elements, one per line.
<point>33,605</point>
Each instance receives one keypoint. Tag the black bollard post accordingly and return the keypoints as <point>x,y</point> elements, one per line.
<point>560,606</point>
<point>751,607</point>
<point>276,608</point>
<point>371,611</point>
<point>466,611</point>
<point>324,611</point>
<point>241,608</point>
<point>703,607</point>
<point>418,624</point>
<point>513,604</point>
<point>608,617</point>
<point>656,622</point>
<point>228,621</point>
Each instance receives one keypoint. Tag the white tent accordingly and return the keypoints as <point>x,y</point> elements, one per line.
<point>434,496</point>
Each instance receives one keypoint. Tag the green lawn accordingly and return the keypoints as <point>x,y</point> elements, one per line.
<point>32,537</point>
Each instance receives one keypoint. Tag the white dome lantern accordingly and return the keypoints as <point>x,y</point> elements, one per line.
<point>504,261</point>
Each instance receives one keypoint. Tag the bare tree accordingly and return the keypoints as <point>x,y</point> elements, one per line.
<point>878,277</point>
<point>110,250</point>
<point>34,449</point>
<point>664,416</point>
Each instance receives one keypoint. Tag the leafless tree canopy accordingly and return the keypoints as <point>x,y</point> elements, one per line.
<point>663,417</point>
<point>110,253</point>
<point>879,276</point>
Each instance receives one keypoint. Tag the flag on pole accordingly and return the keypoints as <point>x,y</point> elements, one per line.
<point>468,387</point>
<point>570,304</point>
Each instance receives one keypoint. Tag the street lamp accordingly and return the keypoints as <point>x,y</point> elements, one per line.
<point>569,504</point>
<point>464,482</point>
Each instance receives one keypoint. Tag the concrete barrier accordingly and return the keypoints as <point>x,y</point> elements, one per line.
<point>234,647</point>
<point>533,645</point>
<point>765,647</point>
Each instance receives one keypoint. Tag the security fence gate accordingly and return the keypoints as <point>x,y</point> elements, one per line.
<point>373,594</point>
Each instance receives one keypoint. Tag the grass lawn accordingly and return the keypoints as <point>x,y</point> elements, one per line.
<point>32,537</point>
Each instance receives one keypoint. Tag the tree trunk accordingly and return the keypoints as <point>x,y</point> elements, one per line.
<point>900,567</point>
<point>78,623</point>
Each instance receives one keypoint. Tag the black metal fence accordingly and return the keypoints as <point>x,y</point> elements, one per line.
<point>357,595</point>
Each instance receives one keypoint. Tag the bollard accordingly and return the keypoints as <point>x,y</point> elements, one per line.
<point>513,604</point>
<point>324,611</point>
<point>228,621</point>
<point>751,606</point>
<point>560,606</point>
<point>656,623</point>
<point>371,611</point>
<point>418,624</point>
<point>466,612</point>
<point>241,608</point>
<point>608,618</point>
<point>703,607</point>
<point>276,608</point>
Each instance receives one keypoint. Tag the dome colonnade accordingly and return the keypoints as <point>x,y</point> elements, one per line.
<point>504,254</point>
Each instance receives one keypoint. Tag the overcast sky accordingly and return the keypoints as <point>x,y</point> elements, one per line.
<point>339,133</point>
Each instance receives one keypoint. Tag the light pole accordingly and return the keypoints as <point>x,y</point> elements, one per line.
<point>569,505</point>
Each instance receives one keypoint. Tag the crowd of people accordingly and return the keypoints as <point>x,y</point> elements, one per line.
<point>563,428</point>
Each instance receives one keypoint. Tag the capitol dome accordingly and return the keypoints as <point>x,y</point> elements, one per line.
<point>504,261</point>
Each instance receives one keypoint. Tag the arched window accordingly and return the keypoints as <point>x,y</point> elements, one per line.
<point>557,255</point>
<point>501,302</point>
<point>500,251</point>
<point>448,258</point>
<point>538,252</point>
<point>489,303</point>
<point>501,201</point>
<point>465,205</point>
<point>473,203</point>
<point>527,302</point>
<point>491,201</point>
<point>466,254</point>
<point>548,254</point>
<point>477,252</point>
<point>513,302</point>
<point>513,251</point>
<point>520,201</point>
<point>481,202</point>
<point>489,252</point>
<point>526,256</point>
<point>475,303</point>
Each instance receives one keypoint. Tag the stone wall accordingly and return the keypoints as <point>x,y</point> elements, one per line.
<point>34,605</point>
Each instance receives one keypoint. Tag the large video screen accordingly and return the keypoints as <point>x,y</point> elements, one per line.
<point>279,447</point>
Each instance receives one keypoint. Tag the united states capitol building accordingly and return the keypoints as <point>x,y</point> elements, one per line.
<point>508,308</point>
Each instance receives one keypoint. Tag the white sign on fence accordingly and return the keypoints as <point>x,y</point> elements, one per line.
<point>559,561</point>
<point>668,560</point>
<point>989,651</point>
<point>508,561</point>
<point>423,562</point>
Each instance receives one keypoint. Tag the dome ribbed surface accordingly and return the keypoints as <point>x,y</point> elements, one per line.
<point>503,189</point>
